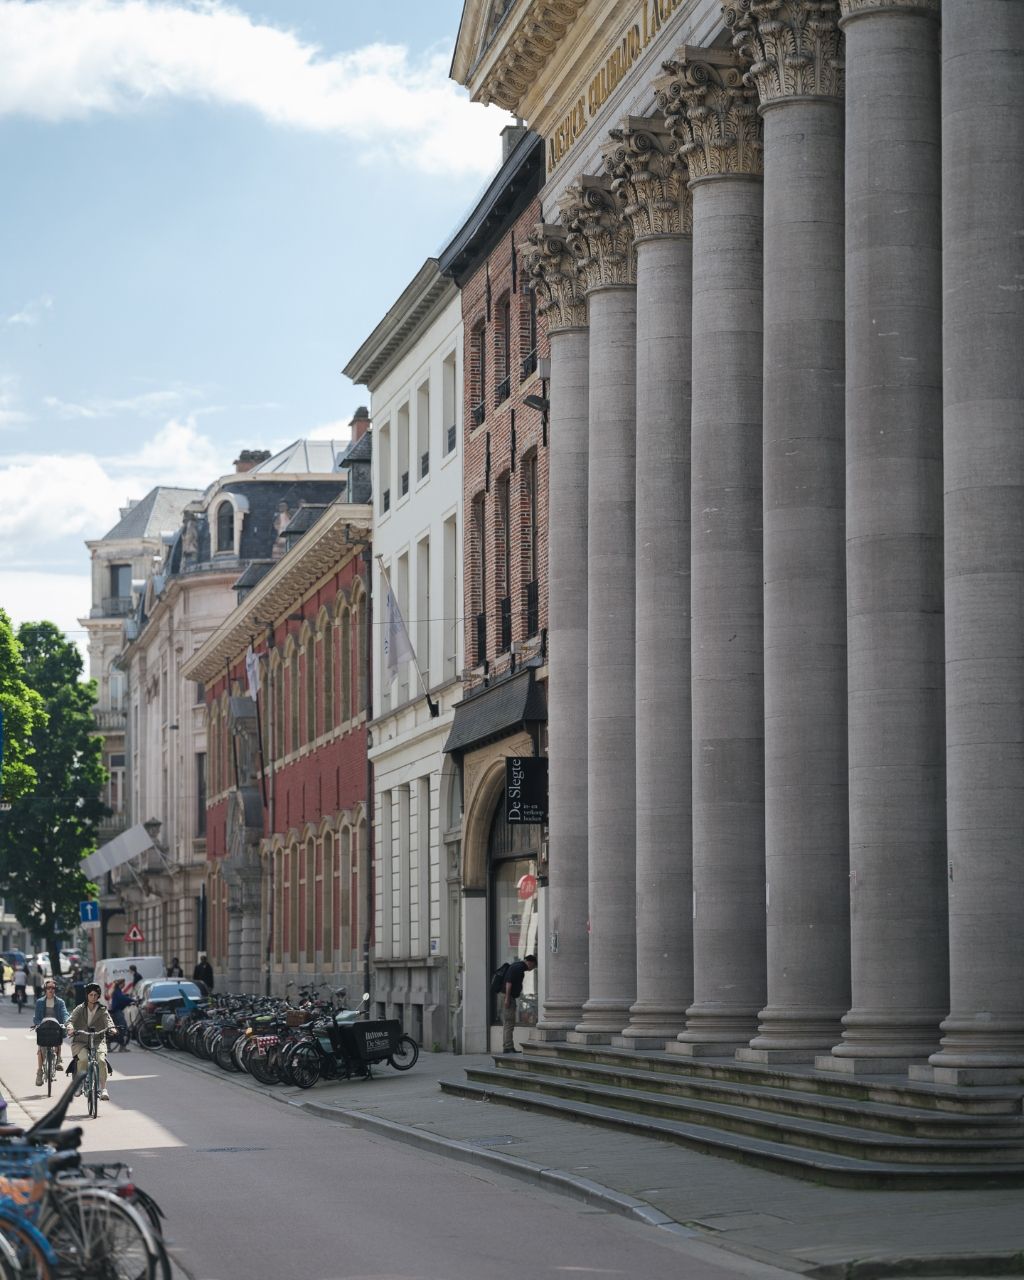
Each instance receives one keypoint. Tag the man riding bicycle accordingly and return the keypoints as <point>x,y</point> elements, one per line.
<point>92,1015</point>
<point>49,1005</point>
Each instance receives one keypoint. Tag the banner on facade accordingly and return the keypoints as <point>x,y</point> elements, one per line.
<point>526,789</point>
<point>252,672</point>
<point>397,645</point>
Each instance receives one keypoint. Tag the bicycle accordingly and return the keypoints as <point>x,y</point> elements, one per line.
<point>49,1036</point>
<point>90,1081</point>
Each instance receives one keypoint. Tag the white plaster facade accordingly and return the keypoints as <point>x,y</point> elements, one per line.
<point>412,364</point>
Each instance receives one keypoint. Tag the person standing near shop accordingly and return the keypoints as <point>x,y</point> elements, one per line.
<point>514,976</point>
<point>203,972</point>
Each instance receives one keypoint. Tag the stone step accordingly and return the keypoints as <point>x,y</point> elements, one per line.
<point>886,1090</point>
<point>912,1122</point>
<point>842,1139</point>
<point>789,1158</point>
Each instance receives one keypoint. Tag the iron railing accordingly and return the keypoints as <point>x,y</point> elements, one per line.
<point>528,365</point>
<point>501,391</point>
<point>451,438</point>
<point>479,413</point>
<point>424,464</point>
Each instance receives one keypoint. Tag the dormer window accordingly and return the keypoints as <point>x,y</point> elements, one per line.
<point>225,527</point>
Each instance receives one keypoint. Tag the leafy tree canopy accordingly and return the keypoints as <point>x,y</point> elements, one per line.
<point>22,711</point>
<point>52,827</point>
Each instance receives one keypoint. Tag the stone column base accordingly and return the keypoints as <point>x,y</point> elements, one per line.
<point>712,1049</point>
<point>776,1055</point>
<point>589,1037</point>
<point>966,1077</point>
<point>638,1038</point>
<point>864,1066</point>
<point>549,1033</point>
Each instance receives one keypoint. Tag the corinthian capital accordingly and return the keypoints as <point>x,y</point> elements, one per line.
<point>554,277</point>
<point>648,179</point>
<point>597,234</point>
<point>712,113</point>
<point>794,46</point>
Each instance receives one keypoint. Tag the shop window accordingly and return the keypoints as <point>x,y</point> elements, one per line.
<point>514,920</point>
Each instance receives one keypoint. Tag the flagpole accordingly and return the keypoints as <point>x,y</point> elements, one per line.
<point>435,710</point>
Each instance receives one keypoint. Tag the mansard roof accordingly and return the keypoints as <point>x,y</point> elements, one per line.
<point>160,509</point>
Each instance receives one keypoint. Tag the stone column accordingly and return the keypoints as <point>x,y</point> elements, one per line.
<point>602,245</point>
<point>899,965</point>
<point>650,185</point>
<point>564,967</point>
<point>795,48</point>
<point>714,115</point>
<point>983,361</point>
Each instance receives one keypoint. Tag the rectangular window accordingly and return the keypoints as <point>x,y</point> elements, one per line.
<point>422,630</point>
<point>503,556</point>
<point>426,888</point>
<point>452,598</point>
<point>200,793</point>
<point>448,409</point>
<point>480,375</point>
<point>404,888</point>
<point>503,384</point>
<point>480,584</point>
<point>403,450</point>
<point>384,465</point>
<point>120,581</point>
<point>401,585</point>
<point>423,431</point>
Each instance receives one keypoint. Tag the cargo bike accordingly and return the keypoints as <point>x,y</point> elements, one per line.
<point>347,1050</point>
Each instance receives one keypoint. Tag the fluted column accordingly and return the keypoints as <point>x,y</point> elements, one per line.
<point>564,967</point>
<point>983,361</point>
<point>794,47</point>
<point>650,185</point>
<point>899,964</point>
<point>714,116</point>
<point>600,240</point>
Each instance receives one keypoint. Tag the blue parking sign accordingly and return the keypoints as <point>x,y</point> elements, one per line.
<point>89,912</point>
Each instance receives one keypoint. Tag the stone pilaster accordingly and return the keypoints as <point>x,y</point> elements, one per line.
<point>794,48</point>
<point>713,114</point>
<point>898,944</point>
<point>983,392</point>
<point>651,187</point>
<point>601,242</point>
<point>561,301</point>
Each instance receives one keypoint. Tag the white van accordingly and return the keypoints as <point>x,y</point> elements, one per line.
<point>108,971</point>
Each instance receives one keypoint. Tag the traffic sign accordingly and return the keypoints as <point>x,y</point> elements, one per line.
<point>89,913</point>
<point>134,934</point>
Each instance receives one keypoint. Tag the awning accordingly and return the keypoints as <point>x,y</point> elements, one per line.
<point>496,711</point>
<point>129,844</point>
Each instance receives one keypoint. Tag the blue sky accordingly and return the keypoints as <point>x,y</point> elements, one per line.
<point>207,207</point>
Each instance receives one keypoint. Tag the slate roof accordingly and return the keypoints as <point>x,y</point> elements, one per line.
<point>360,450</point>
<point>160,509</point>
<point>494,711</point>
<point>303,520</point>
<point>309,457</point>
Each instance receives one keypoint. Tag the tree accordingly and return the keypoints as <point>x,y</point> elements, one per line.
<point>22,710</point>
<point>52,827</point>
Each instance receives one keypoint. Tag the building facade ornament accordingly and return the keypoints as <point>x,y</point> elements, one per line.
<point>854,8</point>
<point>794,47</point>
<point>648,179</point>
<point>532,42</point>
<point>554,277</point>
<point>712,112</point>
<point>597,234</point>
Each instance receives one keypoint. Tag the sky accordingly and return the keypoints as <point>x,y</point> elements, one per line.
<point>207,208</point>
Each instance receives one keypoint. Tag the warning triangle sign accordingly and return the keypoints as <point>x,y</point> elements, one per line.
<point>134,934</point>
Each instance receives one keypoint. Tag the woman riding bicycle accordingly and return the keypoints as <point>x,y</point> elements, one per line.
<point>49,1005</point>
<point>92,1015</point>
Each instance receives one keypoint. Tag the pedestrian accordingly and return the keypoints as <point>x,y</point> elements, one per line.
<point>38,978</point>
<point>514,976</point>
<point>20,984</point>
<point>174,969</point>
<point>91,1015</point>
<point>120,1000</point>
<point>77,985</point>
<point>203,972</point>
<point>133,979</point>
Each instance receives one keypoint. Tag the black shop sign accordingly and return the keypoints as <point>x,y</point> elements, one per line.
<point>526,789</point>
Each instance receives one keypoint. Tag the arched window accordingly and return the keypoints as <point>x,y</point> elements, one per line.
<point>295,897</point>
<point>293,700</point>
<point>327,667</point>
<point>310,688</point>
<point>211,749</point>
<point>342,896</point>
<point>225,527</point>
<point>279,904</point>
<point>512,860</point>
<point>345,665</point>
<point>310,930</point>
<point>277,727</point>
<point>327,898</point>
<point>360,651</point>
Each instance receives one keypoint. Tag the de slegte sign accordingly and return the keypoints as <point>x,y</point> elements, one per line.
<point>526,789</point>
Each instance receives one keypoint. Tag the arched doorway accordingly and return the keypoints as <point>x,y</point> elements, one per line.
<point>514,919</point>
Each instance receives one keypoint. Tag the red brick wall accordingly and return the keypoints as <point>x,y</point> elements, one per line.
<point>498,447</point>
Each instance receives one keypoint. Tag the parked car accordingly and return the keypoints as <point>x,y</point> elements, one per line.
<point>43,961</point>
<point>14,958</point>
<point>157,994</point>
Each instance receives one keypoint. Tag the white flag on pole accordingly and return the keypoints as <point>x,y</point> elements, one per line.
<point>397,645</point>
<point>252,672</point>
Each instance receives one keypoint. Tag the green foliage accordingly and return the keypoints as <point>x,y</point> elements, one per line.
<point>52,826</point>
<point>23,712</point>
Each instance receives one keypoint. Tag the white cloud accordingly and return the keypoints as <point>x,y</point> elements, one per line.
<point>146,404</point>
<point>32,312</point>
<point>62,598</point>
<point>339,430</point>
<point>69,59</point>
<point>10,414</point>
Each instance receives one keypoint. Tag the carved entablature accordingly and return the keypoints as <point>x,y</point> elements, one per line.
<point>529,48</point>
<point>648,179</point>
<point>712,112</point>
<point>926,8</point>
<point>597,234</point>
<point>554,276</point>
<point>794,47</point>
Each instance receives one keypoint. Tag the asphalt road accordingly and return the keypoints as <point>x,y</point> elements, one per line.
<point>254,1189</point>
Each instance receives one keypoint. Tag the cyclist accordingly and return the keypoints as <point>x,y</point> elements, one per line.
<point>91,1015</point>
<point>120,1000</point>
<point>20,983</point>
<point>49,1005</point>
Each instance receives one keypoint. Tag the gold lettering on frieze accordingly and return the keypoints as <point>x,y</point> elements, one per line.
<point>649,17</point>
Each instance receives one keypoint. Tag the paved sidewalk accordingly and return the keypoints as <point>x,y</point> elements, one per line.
<point>801,1227</point>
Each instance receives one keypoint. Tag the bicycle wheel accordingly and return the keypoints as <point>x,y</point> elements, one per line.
<point>148,1035</point>
<point>50,1070</point>
<point>406,1055</point>
<point>34,1259</point>
<point>303,1065</point>
<point>95,1233</point>
<point>92,1091</point>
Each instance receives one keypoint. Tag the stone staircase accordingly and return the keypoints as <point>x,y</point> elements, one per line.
<point>857,1132</point>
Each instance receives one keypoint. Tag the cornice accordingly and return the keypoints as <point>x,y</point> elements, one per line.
<point>331,542</point>
<point>712,112</point>
<point>648,180</point>
<point>794,47</point>
<point>416,308</point>
<point>521,47</point>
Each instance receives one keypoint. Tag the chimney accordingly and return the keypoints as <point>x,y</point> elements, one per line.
<point>250,458</point>
<point>510,135</point>
<point>360,423</point>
